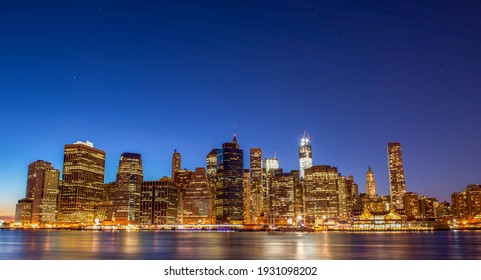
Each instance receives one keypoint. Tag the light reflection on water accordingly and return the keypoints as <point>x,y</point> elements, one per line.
<point>55,244</point>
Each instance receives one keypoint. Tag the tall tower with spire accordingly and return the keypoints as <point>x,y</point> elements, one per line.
<point>370,183</point>
<point>176,163</point>
<point>305,154</point>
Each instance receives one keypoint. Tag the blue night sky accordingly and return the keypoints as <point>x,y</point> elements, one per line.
<point>151,77</point>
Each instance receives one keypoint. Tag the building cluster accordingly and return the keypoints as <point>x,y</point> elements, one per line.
<point>225,193</point>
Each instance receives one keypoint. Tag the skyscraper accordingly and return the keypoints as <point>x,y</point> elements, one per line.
<point>176,163</point>
<point>370,183</point>
<point>197,199</point>
<point>42,189</point>
<point>211,170</point>
<point>182,180</point>
<point>229,191</point>
<point>81,187</point>
<point>49,198</point>
<point>396,175</point>
<point>271,168</point>
<point>159,202</point>
<point>282,198</point>
<point>321,185</point>
<point>126,197</point>
<point>257,188</point>
<point>305,154</point>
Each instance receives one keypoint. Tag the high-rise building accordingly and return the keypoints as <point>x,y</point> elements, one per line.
<point>467,204</point>
<point>176,163</point>
<point>229,191</point>
<point>282,198</point>
<point>257,188</point>
<point>159,202</point>
<point>126,197</point>
<point>23,211</point>
<point>343,198</point>
<point>299,198</point>
<point>271,168</point>
<point>305,154</point>
<point>42,190</point>
<point>352,194</point>
<point>321,185</point>
<point>197,201</point>
<point>396,175</point>
<point>211,170</point>
<point>427,208</point>
<point>246,185</point>
<point>49,197</point>
<point>36,178</point>
<point>411,205</point>
<point>370,183</point>
<point>83,179</point>
<point>211,163</point>
<point>182,179</point>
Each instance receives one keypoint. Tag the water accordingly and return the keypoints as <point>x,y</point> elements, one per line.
<point>59,245</point>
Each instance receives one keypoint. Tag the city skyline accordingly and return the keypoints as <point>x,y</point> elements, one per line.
<point>152,77</point>
<point>176,163</point>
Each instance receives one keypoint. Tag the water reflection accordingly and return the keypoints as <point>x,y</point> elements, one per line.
<point>54,244</point>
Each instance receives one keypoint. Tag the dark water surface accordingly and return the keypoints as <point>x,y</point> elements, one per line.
<point>59,245</point>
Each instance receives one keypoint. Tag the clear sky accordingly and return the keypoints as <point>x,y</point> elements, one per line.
<point>149,77</point>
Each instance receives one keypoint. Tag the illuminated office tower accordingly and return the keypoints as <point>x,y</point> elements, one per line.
<point>23,211</point>
<point>396,175</point>
<point>49,200</point>
<point>351,194</point>
<point>83,178</point>
<point>105,209</point>
<point>35,181</point>
<point>342,196</point>
<point>411,205</point>
<point>370,183</point>
<point>282,198</point>
<point>427,208</point>
<point>305,154</point>
<point>182,180</point>
<point>159,202</point>
<point>197,199</point>
<point>229,191</point>
<point>211,163</point>
<point>321,193</point>
<point>211,170</point>
<point>126,198</point>
<point>467,203</point>
<point>42,189</point>
<point>246,185</point>
<point>36,178</point>
<point>271,167</point>
<point>298,203</point>
<point>176,163</point>
<point>257,188</point>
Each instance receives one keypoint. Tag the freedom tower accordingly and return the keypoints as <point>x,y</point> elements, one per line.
<point>305,154</point>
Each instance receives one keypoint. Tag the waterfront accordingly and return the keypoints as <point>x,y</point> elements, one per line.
<point>91,245</point>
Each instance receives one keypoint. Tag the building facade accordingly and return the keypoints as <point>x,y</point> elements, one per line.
<point>229,199</point>
<point>257,187</point>
<point>126,197</point>
<point>159,202</point>
<point>176,163</point>
<point>197,201</point>
<point>370,183</point>
<point>396,175</point>
<point>81,187</point>
<point>321,185</point>
<point>305,154</point>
